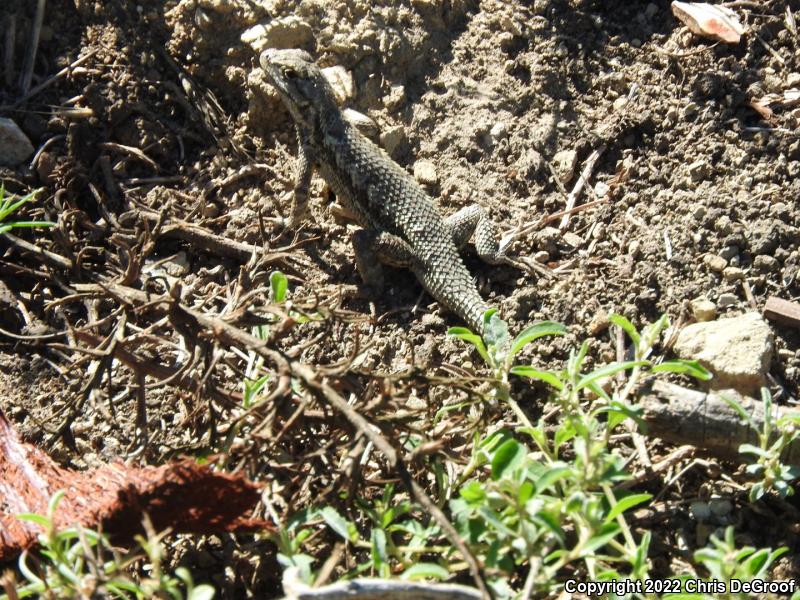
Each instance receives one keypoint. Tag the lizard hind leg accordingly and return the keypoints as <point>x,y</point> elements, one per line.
<point>475,220</point>
<point>376,248</point>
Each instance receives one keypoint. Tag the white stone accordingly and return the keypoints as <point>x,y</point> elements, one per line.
<point>286,32</point>
<point>15,147</point>
<point>425,172</point>
<point>737,350</point>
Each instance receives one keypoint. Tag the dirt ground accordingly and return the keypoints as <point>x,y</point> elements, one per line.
<point>507,100</point>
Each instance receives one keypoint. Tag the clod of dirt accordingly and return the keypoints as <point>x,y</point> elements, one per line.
<point>183,496</point>
<point>738,351</point>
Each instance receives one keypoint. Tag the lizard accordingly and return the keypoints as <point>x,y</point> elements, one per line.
<point>401,225</point>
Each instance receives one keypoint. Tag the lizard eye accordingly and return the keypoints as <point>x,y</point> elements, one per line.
<point>290,73</point>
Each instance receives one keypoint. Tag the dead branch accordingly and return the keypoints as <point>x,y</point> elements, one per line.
<point>684,416</point>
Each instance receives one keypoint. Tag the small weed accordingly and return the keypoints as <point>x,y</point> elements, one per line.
<point>774,437</point>
<point>81,563</point>
<point>9,204</point>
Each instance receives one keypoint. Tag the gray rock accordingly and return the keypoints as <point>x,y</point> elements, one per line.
<point>286,32</point>
<point>765,263</point>
<point>737,351</point>
<point>15,147</point>
<point>565,163</point>
<point>727,299</point>
<point>714,262</point>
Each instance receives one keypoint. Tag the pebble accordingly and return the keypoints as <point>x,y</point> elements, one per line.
<point>700,510</point>
<point>15,147</point>
<point>715,263</point>
<point>425,172</point>
<point>793,80</point>
<point>720,506</point>
<point>565,162</point>
<point>733,274</point>
<point>727,299</point>
<point>703,310</point>
<point>765,263</point>
<point>498,132</point>
<point>699,170</point>
<point>395,98</point>
<point>542,256</point>
<point>285,32</point>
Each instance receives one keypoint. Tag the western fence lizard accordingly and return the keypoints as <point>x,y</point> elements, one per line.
<point>401,225</point>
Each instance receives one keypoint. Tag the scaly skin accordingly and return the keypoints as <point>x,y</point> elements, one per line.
<point>402,226</point>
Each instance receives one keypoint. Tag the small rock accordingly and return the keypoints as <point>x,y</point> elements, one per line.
<point>732,274</point>
<point>715,263</point>
<point>765,263</point>
<point>699,170</point>
<point>425,172</point>
<point>547,239</point>
<point>699,212</point>
<point>564,163</point>
<point>764,235</point>
<point>720,506</point>
<point>737,351</point>
<point>341,81</point>
<point>703,310</point>
<point>793,80</point>
<point>572,239</point>
<point>15,147</point>
<point>178,266</point>
<point>599,323</point>
<point>727,299</point>
<point>601,189</point>
<point>498,132</point>
<point>392,138</point>
<point>700,510</point>
<point>282,33</point>
<point>395,98</point>
<point>634,247</point>
<point>542,256</point>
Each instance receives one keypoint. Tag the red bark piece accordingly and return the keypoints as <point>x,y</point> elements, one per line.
<point>181,495</point>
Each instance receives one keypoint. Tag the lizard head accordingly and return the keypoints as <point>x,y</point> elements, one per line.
<point>299,82</point>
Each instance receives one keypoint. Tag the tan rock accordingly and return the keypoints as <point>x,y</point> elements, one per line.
<point>738,351</point>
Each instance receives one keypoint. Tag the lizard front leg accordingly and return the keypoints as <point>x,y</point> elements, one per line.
<point>474,220</point>
<point>376,248</point>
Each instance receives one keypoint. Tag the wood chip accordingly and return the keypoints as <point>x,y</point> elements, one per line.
<point>782,311</point>
<point>707,20</point>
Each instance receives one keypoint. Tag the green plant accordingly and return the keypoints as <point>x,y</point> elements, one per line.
<point>9,204</point>
<point>77,562</point>
<point>729,564</point>
<point>774,437</point>
<point>498,350</point>
<point>556,506</point>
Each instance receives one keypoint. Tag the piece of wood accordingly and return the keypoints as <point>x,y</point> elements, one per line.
<point>782,311</point>
<point>683,416</point>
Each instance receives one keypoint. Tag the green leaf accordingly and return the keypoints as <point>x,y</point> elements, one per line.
<point>34,518</point>
<point>626,503</point>
<point>751,449</point>
<point>609,370</point>
<point>278,284</point>
<point>379,555</point>
<point>495,329</point>
<point>508,456</point>
<point>534,332</point>
<point>683,367</point>
<point>339,524</point>
<point>556,472</point>
<point>425,570</point>
<point>465,334</point>
<point>607,533</point>
<point>735,405</point>
<point>531,373</point>
<point>626,326</point>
